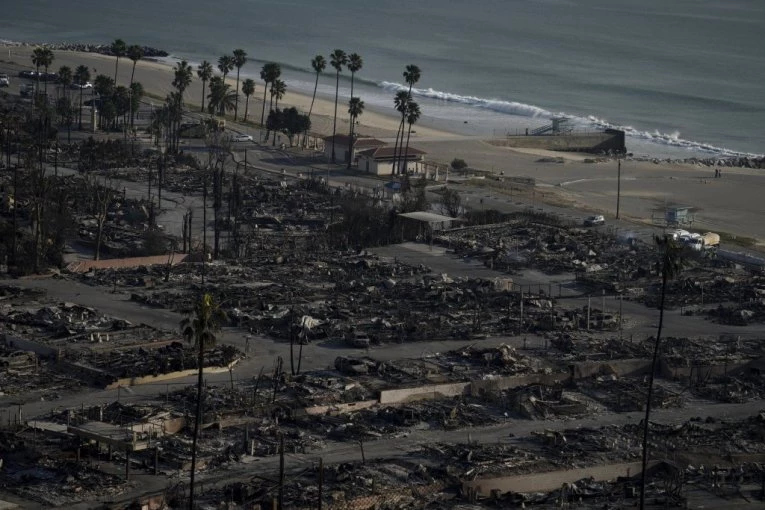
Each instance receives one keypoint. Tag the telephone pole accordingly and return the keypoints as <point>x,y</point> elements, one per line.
<point>618,185</point>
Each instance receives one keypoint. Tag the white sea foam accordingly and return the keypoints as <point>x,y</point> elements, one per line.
<point>497,105</point>
<point>526,110</point>
<point>670,139</point>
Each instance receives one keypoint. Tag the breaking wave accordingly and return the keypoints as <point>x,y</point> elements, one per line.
<point>497,105</point>
<point>526,110</point>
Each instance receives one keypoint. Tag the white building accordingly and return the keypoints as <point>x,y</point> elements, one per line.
<point>379,161</point>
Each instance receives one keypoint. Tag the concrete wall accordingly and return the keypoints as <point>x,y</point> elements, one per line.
<point>166,427</point>
<point>148,379</point>
<point>515,381</point>
<point>87,265</point>
<point>542,482</point>
<point>385,167</point>
<point>336,409</point>
<point>431,391</point>
<point>622,368</point>
<point>698,373</point>
<point>584,142</point>
<point>22,344</point>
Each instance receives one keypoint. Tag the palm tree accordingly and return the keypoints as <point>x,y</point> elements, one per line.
<point>65,77</point>
<point>134,53</point>
<point>182,76</point>
<point>65,80</point>
<point>319,64</point>
<point>204,72</point>
<point>240,57</point>
<point>668,265</point>
<point>181,81</point>
<point>136,94</point>
<point>225,65</point>
<point>81,77</point>
<point>268,73</point>
<point>200,329</point>
<point>412,116</point>
<point>337,59</point>
<point>355,108</point>
<point>47,62</point>
<point>400,101</point>
<point>42,57</point>
<point>248,88</point>
<point>119,48</point>
<point>221,97</point>
<point>355,63</point>
<point>278,89</point>
<point>411,76</point>
<point>38,57</point>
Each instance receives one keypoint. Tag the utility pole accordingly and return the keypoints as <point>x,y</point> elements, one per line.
<point>618,186</point>
<point>204,230</point>
<point>621,323</point>
<point>160,172</point>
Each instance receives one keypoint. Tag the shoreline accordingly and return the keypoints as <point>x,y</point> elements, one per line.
<point>730,204</point>
<point>155,74</point>
<point>647,146</point>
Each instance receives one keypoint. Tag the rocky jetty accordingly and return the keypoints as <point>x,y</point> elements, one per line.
<point>104,49</point>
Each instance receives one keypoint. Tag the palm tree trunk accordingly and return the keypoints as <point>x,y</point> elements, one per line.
<point>116,65</point>
<point>401,128</point>
<point>236,102</point>
<point>315,87</point>
<point>246,108</point>
<point>197,423</point>
<point>276,107</point>
<point>400,132</point>
<point>132,74</point>
<point>350,143</point>
<point>406,151</point>
<point>204,82</point>
<point>650,386</point>
<point>263,111</point>
<point>334,122</point>
<point>81,107</point>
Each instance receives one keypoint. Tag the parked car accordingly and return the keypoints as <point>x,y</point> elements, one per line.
<point>86,85</point>
<point>28,74</point>
<point>5,81</point>
<point>592,221</point>
<point>241,137</point>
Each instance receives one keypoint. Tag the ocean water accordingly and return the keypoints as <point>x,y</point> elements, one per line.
<point>683,77</point>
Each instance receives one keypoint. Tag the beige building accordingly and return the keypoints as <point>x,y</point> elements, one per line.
<point>342,147</point>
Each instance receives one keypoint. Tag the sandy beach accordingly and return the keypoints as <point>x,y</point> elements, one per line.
<point>156,78</point>
<point>731,204</point>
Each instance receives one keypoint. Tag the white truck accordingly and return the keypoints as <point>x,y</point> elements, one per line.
<point>700,242</point>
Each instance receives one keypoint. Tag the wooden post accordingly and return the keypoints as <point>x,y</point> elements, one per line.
<point>127,464</point>
<point>321,482</point>
<point>281,472</point>
<point>520,323</point>
<point>589,304</point>
<point>363,457</point>
<point>156,461</point>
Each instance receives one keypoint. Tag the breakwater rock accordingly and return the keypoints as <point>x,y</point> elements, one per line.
<point>731,162</point>
<point>104,49</point>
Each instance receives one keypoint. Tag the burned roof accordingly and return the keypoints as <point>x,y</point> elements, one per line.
<point>383,153</point>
